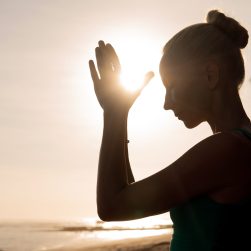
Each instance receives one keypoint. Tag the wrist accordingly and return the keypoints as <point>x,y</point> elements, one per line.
<point>115,121</point>
<point>116,114</point>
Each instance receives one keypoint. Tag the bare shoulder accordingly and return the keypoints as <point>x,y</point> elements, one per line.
<point>220,152</point>
<point>224,142</point>
<point>209,166</point>
<point>227,147</point>
<point>213,163</point>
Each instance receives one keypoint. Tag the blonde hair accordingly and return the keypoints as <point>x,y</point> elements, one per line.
<point>221,37</point>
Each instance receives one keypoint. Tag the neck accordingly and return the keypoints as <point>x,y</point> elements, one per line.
<point>227,112</point>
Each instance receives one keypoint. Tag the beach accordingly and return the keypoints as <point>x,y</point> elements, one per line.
<point>150,243</point>
<point>86,234</point>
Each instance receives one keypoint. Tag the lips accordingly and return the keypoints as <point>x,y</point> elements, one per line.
<point>178,115</point>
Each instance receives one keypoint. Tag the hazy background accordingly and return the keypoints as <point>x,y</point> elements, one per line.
<point>50,121</point>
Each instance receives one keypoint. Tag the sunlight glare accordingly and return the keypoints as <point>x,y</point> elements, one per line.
<point>139,54</point>
<point>119,230</point>
<point>137,58</point>
<point>128,234</point>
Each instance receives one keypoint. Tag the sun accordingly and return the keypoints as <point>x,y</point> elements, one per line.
<point>138,55</point>
<point>131,79</point>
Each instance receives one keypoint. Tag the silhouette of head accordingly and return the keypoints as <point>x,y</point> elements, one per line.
<point>199,60</point>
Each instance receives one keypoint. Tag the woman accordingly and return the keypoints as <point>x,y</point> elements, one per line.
<point>208,189</point>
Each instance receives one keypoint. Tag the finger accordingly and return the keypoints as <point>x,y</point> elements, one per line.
<point>111,58</point>
<point>103,60</point>
<point>94,73</point>
<point>99,58</point>
<point>114,58</point>
<point>103,48</point>
<point>149,75</point>
<point>101,44</point>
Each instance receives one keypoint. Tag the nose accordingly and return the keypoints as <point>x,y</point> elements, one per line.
<point>168,104</point>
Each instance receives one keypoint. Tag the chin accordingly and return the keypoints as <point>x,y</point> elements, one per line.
<point>191,123</point>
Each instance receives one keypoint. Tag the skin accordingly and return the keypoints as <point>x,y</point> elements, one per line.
<point>216,167</point>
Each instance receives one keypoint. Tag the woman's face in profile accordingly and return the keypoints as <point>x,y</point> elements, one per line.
<point>187,93</point>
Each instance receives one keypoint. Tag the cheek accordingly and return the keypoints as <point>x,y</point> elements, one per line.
<point>194,96</point>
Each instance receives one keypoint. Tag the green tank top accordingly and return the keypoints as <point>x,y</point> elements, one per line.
<point>205,225</point>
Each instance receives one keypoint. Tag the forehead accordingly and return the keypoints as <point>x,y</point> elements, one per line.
<point>176,72</point>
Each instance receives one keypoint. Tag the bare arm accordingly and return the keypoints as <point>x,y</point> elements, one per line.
<point>114,171</point>
<point>128,166</point>
<point>208,166</point>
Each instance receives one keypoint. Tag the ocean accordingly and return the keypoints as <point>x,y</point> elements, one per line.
<point>42,236</point>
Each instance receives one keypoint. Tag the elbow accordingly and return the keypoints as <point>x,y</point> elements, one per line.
<point>105,217</point>
<point>111,212</point>
<point>104,210</point>
<point>113,208</point>
<point>105,214</point>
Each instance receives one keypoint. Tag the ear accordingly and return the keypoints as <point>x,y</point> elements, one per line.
<point>212,71</point>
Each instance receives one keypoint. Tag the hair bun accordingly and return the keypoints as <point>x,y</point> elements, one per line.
<point>228,25</point>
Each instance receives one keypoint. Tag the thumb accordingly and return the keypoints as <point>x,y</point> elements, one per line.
<point>148,76</point>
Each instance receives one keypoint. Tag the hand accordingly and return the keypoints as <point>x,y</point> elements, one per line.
<point>111,95</point>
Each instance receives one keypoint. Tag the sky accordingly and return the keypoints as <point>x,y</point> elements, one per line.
<point>50,120</point>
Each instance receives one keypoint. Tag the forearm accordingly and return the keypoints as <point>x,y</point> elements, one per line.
<point>130,176</point>
<point>112,173</point>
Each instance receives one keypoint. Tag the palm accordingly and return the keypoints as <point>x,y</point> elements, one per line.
<point>110,93</point>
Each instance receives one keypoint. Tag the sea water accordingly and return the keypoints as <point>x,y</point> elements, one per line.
<point>42,236</point>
